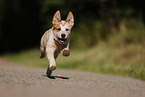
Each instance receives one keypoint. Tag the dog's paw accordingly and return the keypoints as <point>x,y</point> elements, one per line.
<point>52,68</point>
<point>42,55</point>
<point>49,72</point>
<point>66,53</point>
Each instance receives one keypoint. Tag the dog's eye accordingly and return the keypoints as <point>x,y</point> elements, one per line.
<point>58,29</point>
<point>66,29</point>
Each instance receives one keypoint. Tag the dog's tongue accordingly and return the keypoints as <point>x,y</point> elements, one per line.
<point>61,41</point>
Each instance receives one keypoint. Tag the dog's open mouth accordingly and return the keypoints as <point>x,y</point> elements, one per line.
<point>62,40</point>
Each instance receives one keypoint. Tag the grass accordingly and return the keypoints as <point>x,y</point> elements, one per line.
<point>122,52</point>
<point>102,58</point>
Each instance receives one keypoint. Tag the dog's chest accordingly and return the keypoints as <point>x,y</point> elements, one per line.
<point>59,47</point>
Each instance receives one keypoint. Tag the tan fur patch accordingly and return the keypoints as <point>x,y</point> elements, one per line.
<point>57,27</point>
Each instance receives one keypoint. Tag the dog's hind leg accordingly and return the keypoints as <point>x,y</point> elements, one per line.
<point>42,52</point>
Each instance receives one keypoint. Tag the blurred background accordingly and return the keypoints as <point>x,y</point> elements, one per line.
<point>108,35</point>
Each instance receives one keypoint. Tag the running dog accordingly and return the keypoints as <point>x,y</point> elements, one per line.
<point>56,40</point>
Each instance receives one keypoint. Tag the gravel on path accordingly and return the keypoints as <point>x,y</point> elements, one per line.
<point>17,80</point>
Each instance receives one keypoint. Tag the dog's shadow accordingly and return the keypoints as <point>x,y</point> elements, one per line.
<point>54,77</point>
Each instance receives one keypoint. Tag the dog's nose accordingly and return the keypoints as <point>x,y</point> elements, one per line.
<point>63,35</point>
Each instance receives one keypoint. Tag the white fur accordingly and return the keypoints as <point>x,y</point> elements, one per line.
<point>50,49</point>
<point>50,43</point>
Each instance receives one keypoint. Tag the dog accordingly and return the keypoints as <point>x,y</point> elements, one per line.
<point>56,40</point>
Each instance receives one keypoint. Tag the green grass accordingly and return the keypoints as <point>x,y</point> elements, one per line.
<point>104,58</point>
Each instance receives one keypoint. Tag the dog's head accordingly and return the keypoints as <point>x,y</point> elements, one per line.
<point>62,28</point>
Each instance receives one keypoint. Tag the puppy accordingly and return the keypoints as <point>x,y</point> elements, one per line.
<point>56,40</point>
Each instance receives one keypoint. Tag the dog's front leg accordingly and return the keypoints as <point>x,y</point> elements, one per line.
<point>50,56</point>
<point>65,52</point>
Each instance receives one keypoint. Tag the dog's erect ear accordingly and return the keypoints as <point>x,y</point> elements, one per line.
<point>56,18</point>
<point>70,18</point>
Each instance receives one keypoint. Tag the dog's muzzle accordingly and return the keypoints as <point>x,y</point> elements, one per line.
<point>62,40</point>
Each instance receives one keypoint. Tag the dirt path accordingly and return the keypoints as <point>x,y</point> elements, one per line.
<point>17,80</point>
